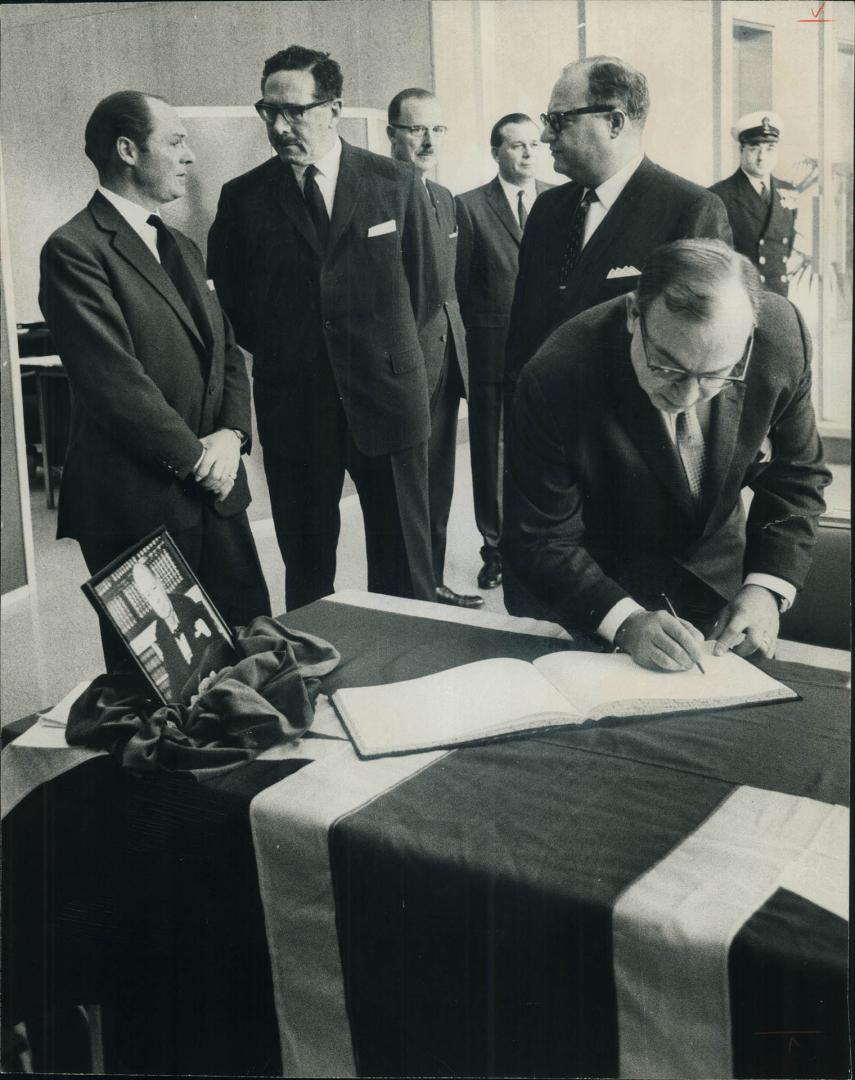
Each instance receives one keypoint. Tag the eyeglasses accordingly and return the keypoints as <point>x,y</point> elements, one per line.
<point>709,382</point>
<point>420,130</point>
<point>291,114</point>
<point>557,120</point>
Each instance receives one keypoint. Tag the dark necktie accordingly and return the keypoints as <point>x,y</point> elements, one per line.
<point>690,447</point>
<point>765,193</point>
<point>316,205</point>
<point>173,263</point>
<point>522,213</point>
<point>575,237</point>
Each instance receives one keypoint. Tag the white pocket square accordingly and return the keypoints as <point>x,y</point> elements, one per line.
<point>453,235</point>
<point>210,284</point>
<point>622,271</point>
<point>385,227</point>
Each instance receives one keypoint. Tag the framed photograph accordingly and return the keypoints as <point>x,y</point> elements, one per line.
<point>155,603</point>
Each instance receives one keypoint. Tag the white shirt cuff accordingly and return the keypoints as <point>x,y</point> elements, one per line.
<point>777,585</point>
<point>615,617</point>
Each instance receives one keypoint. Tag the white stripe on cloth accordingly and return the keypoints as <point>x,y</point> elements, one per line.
<point>673,927</point>
<point>290,824</point>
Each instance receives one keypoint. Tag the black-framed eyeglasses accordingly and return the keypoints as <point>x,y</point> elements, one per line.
<point>557,120</point>
<point>290,113</point>
<point>420,130</point>
<point>709,382</point>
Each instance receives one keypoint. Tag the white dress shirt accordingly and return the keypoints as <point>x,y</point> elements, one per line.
<point>757,183</point>
<point>326,177</point>
<point>136,216</point>
<point>512,195</point>
<point>607,194</point>
<point>624,608</point>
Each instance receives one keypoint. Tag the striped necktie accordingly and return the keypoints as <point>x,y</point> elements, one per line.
<point>575,237</point>
<point>692,451</point>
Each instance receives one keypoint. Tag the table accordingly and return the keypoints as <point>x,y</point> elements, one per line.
<point>51,381</point>
<point>484,905</point>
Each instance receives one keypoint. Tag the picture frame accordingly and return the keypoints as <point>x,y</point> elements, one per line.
<point>157,606</point>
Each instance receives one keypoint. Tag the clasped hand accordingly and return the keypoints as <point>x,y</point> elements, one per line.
<point>659,641</point>
<point>217,468</point>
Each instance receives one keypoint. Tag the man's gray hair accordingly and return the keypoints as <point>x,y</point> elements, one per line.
<point>689,275</point>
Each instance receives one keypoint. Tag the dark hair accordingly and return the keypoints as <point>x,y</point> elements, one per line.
<point>610,79</point>
<point>394,112</point>
<point>512,118</point>
<point>125,113</point>
<point>689,274</point>
<point>326,72</point>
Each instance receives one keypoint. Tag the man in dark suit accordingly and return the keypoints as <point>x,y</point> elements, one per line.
<point>636,428</point>
<point>322,258</point>
<point>758,204</point>
<point>161,409</point>
<point>587,241</point>
<point>184,629</point>
<point>416,131</point>
<point>490,221</point>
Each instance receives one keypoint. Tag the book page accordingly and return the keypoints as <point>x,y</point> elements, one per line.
<point>612,684</point>
<point>470,702</point>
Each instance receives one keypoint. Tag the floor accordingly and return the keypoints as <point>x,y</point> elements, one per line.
<point>50,640</point>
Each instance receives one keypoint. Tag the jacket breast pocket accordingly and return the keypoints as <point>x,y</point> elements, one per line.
<point>404,360</point>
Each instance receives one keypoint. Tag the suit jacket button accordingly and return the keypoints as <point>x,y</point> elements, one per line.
<point>762,279</point>
<point>762,259</point>
<point>783,277</point>
<point>443,337</point>
<point>762,242</point>
<point>328,324</point>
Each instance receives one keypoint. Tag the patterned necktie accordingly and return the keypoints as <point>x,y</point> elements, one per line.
<point>522,213</point>
<point>317,206</point>
<point>690,447</point>
<point>575,237</point>
<point>173,263</point>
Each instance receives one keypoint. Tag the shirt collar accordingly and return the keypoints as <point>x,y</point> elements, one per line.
<point>136,216</point>
<point>608,191</point>
<point>511,190</point>
<point>754,182</point>
<point>328,165</point>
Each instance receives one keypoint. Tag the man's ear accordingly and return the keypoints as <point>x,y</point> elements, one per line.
<point>617,122</point>
<point>335,112</point>
<point>390,131</point>
<point>494,150</point>
<point>127,150</point>
<point>632,312</point>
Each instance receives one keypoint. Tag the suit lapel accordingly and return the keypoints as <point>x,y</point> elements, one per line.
<point>499,205</point>
<point>131,248</point>
<point>292,202</point>
<point>646,429</point>
<point>627,207</point>
<point>347,192</point>
<point>725,417</point>
<point>749,199</point>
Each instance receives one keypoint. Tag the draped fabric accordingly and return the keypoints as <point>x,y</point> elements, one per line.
<point>242,701</point>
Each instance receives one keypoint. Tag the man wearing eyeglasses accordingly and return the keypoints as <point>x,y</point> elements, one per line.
<point>322,256</point>
<point>416,131</point>
<point>635,429</point>
<point>586,241</point>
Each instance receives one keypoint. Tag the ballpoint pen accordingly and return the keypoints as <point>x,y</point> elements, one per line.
<point>698,664</point>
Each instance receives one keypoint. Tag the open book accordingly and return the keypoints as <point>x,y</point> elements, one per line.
<point>493,698</point>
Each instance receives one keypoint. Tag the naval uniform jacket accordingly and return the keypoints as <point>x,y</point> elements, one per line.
<point>763,232</point>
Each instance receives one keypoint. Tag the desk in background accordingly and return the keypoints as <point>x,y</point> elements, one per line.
<point>478,914</point>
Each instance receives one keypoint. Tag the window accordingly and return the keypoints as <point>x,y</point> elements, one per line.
<point>752,69</point>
